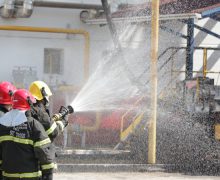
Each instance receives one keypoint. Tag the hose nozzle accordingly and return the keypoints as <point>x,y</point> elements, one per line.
<point>70,109</point>
<point>63,112</point>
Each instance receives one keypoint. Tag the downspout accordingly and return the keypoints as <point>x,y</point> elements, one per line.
<point>8,9</point>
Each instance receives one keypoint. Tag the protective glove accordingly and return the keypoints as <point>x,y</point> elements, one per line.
<point>65,120</point>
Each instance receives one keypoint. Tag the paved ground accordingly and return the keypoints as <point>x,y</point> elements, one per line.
<point>130,176</point>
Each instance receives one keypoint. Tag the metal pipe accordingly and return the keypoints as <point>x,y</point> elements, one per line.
<point>140,19</point>
<point>58,30</point>
<point>61,4</point>
<point>26,10</point>
<point>154,57</point>
<point>8,9</point>
<point>201,72</point>
<point>111,25</point>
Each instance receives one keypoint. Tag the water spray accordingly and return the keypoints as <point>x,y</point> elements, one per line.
<point>63,112</point>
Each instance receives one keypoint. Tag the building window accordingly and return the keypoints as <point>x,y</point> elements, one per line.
<point>53,61</point>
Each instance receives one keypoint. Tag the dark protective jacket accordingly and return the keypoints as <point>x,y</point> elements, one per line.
<point>3,110</point>
<point>24,146</point>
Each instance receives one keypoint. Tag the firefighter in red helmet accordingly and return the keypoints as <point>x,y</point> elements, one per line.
<point>24,144</point>
<point>6,92</point>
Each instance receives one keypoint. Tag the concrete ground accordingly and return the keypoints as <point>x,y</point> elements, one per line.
<point>130,176</point>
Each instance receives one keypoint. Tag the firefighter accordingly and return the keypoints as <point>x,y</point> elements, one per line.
<point>41,93</point>
<point>24,144</point>
<point>6,92</point>
<point>40,111</point>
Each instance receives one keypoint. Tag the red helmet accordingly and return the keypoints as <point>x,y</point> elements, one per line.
<point>6,92</point>
<point>21,99</point>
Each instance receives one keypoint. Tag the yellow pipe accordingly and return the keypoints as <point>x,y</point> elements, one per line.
<point>58,30</point>
<point>153,65</point>
<point>204,62</point>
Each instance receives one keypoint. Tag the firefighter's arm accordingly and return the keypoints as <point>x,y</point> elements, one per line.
<point>61,121</point>
<point>49,125</point>
<point>42,148</point>
<point>56,127</point>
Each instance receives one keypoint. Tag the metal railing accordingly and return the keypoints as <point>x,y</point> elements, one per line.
<point>124,132</point>
<point>205,50</point>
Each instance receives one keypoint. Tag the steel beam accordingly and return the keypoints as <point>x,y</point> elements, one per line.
<point>189,49</point>
<point>203,29</point>
<point>207,31</point>
<point>173,32</point>
<point>211,12</point>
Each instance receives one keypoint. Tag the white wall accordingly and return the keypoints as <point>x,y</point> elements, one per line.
<point>27,48</point>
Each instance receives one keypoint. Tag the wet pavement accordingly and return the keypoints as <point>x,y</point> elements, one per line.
<point>130,176</point>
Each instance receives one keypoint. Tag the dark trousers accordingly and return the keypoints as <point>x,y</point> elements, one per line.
<point>47,176</point>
